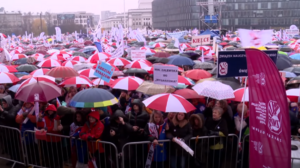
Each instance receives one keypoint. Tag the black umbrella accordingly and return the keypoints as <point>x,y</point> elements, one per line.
<point>21,61</point>
<point>285,49</point>
<point>135,71</point>
<point>295,61</point>
<point>295,70</point>
<point>26,68</point>
<point>283,62</point>
<point>161,60</point>
<point>232,82</point>
<point>191,55</point>
<point>214,71</point>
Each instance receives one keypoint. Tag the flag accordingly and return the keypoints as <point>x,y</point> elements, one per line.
<point>99,46</point>
<point>270,132</point>
<point>58,34</point>
<point>250,38</point>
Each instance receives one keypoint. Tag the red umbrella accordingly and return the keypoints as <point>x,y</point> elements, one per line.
<point>182,79</point>
<point>241,95</point>
<point>78,81</point>
<point>6,68</point>
<point>62,72</point>
<point>45,90</point>
<point>39,72</point>
<point>44,78</point>
<point>8,78</point>
<point>140,64</point>
<point>49,63</point>
<point>223,44</point>
<point>188,93</point>
<point>127,83</point>
<point>197,74</point>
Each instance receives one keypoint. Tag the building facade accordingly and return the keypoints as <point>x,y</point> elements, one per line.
<point>114,21</point>
<point>106,14</point>
<point>260,14</point>
<point>10,21</point>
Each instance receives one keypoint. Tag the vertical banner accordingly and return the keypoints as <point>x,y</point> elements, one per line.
<point>99,46</point>
<point>58,34</point>
<point>270,132</point>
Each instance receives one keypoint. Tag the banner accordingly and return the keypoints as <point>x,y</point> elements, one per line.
<point>252,38</point>
<point>104,71</point>
<point>138,54</point>
<point>58,34</point>
<point>270,132</point>
<point>118,52</point>
<point>234,63</point>
<point>99,46</point>
<point>177,34</point>
<point>200,40</point>
<point>165,75</point>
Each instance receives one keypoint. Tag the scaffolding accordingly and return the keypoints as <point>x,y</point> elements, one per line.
<point>210,15</point>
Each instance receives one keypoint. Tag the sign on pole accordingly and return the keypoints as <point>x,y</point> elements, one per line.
<point>201,40</point>
<point>165,75</point>
<point>292,32</point>
<point>104,71</point>
<point>234,63</point>
<point>118,52</point>
<point>138,54</point>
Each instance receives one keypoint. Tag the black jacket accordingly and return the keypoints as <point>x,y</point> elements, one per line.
<point>216,126</point>
<point>67,117</point>
<point>8,115</point>
<point>198,130</point>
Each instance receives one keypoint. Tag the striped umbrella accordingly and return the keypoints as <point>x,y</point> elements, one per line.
<point>8,78</point>
<point>79,59</point>
<point>140,64</point>
<point>49,63</point>
<point>118,62</point>
<point>18,56</point>
<point>69,64</point>
<point>38,56</point>
<point>88,73</point>
<point>127,83</point>
<point>102,82</point>
<point>39,72</point>
<point>167,102</point>
<point>6,68</point>
<point>62,72</point>
<point>98,57</point>
<point>44,78</point>
<point>78,81</point>
<point>241,95</point>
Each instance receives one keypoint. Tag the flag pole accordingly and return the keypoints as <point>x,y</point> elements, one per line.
<point>243,108</point>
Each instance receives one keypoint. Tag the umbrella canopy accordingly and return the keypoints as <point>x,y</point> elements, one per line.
<point>79,59</point>
<point>188,93</point>
<point>295,56</point>
<point>118,62</point>
<point>135,71</point>
<point>6,68</point>
<point>39,72</point>
<point>127,83</point>
<point>162,60</point>
<point>26,68</point>
<point>49,63</point>
<point>18,56</point>
<point>21,61</point>
<point>45,90</point>
<point>289,74</point>
<point>8,78</point>
<point>167,102</point>
<point>180,61</point>
<point>45,78</point>
<point>14,88</point>
<point>98,81</point>
<point>77,80</point>
<point>293,94</point>
<point>88,73</point>
<point>62,72</point>
<point>140,64</point>
<point>231,81</point>
<point>98,57</point>
<point>93,98</point>
<point>214,89</point>
<point>150,88</point>
<point>295,80</point>
<point>295,70</point>
<point>241,95</point>
<point>197,74</point>
<point>162,54</point>
<point>283,62</point>
<point>69,64</point>
<point>203,65</point>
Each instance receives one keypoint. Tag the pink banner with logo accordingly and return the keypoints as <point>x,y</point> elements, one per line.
<point>270,133</point>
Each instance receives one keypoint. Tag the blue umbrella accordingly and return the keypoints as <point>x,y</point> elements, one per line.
<point>295,56</point>
<point>180,61</point>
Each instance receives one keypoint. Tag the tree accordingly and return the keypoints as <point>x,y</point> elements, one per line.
<point>36,27</point>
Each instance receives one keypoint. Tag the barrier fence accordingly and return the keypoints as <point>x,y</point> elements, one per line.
<point>59,151</point>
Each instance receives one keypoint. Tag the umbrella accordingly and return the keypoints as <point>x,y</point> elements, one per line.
<point>289,74</point>
<point>162,54</point>
<point>231,81</point>
<point>44,78</point>
<point>295,80</point>
<point>80,54</point>
<point>118,62</point>
<point>18,56</point>
<point>162,60</point>
<point>93,98</point>
<point>49,63</point>
<point>197,74</point>
<point>295,70</point>
<point>14,88</point>
<point>140,64</point>
<point>191,55</point>
<point>167,102</point>
<point>8,78</point>
<point>6,68</point>
<point>293,94</point>
<point>81,66</point>
<point>283,62</point>
<point>88,73</point>
<point>26,68</point>
<point>241,95</point>
<point>127,83</point>
<point>214,71</point>
<point>79,59</point>
<point>45,90</point>
<point>69,63</point>
<point>21,61</point>
<point>185,81</point>
<point>295,56</point>
<point>77,80</point>
<point>203,65</point>
<point>98,57</point>
<point>151,88</point>
<point>206,79</point>
<point>39,72</point>
<point>180,61</point>
<point>62,72</point>
<point>135,71</point>
<point>214,89</point>
<point>38,57</point>
<point>187,93</point>
<point>102,82</point>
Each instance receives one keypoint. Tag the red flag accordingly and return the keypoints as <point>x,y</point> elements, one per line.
<point>270,132</point>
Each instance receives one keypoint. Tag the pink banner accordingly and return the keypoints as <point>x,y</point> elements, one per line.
<point>270,133</point>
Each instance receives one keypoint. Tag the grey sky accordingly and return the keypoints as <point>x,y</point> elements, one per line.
<point>55,6</point>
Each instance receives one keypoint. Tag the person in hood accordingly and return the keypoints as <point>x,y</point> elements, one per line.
<point>155,130</point>
<point>293,112</point>
<point>51,148</point>
<point>216,126</point>
<point>91,132</point>
<point>181,129</point>
<point>2,91</point>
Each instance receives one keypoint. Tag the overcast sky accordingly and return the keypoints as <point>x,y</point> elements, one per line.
<point>55,6</point>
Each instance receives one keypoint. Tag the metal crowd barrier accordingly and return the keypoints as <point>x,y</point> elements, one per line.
<point>203,155</point>
<point>11,148</point>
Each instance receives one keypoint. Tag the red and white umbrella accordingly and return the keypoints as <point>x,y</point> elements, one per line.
<point>235,39</point>
<point>88,73</point>
<point>39,72</point>
<point>18,56</point>
<point>203,48</point>
<point>293,94</point>
<point>158,45</point>
<point>98,57</point>
<point>62,54</point>
<point>185,45</point>
<point>183,80</point>
<point>102,82</point>
<point>167,102</point>
<point>8,78</point>
<point>140,64</point>
<point>44,78</point>
<point>78,80</point>
<point>52,51</point>
<point>127,83</point>
<point>118,62</point>
<point>79,59</point>
<point>6,68</point>
<point>69,64</point>
<point>147,49</point>
<point>49,63</point>
<point>56,57</point>
<point>241,95</point>
<point>25,77</point>
<point>38,57</point>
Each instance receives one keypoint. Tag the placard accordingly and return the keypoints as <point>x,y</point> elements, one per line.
<point>104,71</point>
<point>200,40</point>
<point>118,52</point>
<point>234,63</point>
<point>165,75</point>
<point>292,32</point>
<point>138,54</point>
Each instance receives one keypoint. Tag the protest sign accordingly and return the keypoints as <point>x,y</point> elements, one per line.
<point>234,63</point>
<point>118,52</point>
<point>292,32</point>
<point>104,71</point>
<point>200,40</point>
<point>251,38</point>
<point>138,54</point>
<point>165,75</point>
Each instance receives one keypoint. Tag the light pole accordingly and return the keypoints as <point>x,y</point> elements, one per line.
<point>124,13</point>
<point>41,22</point>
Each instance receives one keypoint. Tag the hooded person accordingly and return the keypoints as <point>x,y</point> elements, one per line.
<point>8,112</point>
<point>91,132</point>
<point>179,128</point>
<point>2,91</point>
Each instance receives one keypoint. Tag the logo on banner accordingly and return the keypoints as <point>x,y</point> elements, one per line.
<point>223,68</point>
<point>274,117</point>
<point>260,78</point>
<point>258,146</point>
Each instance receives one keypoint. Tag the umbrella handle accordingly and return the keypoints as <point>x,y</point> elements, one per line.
<point>99,81</point>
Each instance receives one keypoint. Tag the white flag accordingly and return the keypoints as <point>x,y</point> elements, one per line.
<point>58,33</point>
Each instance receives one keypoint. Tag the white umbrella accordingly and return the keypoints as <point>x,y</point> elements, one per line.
<point>214,89</point>
<point>14,88</point>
